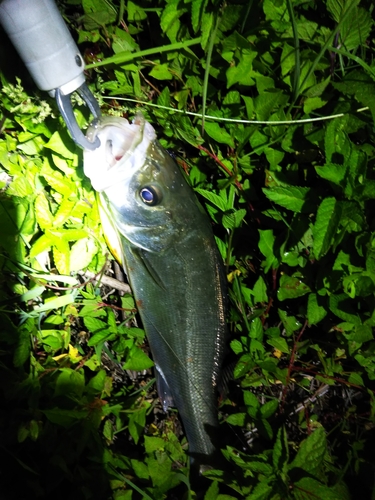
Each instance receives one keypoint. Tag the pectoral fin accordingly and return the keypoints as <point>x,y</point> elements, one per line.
<point>145,258</point>
<point>164,391</point>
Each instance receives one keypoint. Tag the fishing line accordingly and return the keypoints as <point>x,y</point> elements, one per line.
<point>237,120</point>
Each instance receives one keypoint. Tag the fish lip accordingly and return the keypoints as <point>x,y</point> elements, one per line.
<point>123,149</point>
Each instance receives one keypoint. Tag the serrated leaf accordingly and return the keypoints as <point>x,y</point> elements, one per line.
<point>279,343</point>
<point>42,211</point>
<point>267,103</point>
<point>212,492</point>
<point>57,181</point>
<point>65,418</point>
<point>269,408</point>
<point>208,20</point>
<point>95,325</point>
<point>61,256</point>
<point>260,291</point>
<point>69,383</point>
<point>293,198</point>
<point>164,99</point>
<point>342,306</point>
<point>236,419</point>
<point>290,323</point>
<point>242,72</point>
<point>82,253</point>
<point>233,220</point>
<point>291,287</point>
<point>315,312</point>
<point>280,452</point>
<point>218,133</point>
<point>170,20</point>
<point>197,7</point>
<point>161,72</point>
<point>135,12</point>
<point>56,303</point>
<point>138,360</point>
<point>64,212</point>
<point>274,157</point>
<point>266,244</point>
<point>214,198</point>
<point>23,346</point>
<point>42,244</point>
<point>325,227</point>
<point>336,142</point>
<point>251,400</point>
<point>57,144</point>
<point>236,346</point>
<point>309,487</point>
<point>137,421</point>
<point>311,452</point>
<point>332,172</point>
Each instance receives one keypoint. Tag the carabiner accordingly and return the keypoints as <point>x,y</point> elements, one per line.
<point>65,107</point>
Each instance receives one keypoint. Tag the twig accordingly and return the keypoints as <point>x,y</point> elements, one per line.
<point>107,281</point>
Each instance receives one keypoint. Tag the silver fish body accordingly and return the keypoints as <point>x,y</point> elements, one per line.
<point>169,254</point>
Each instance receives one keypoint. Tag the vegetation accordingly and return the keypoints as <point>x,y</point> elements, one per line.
<point>269,108</point>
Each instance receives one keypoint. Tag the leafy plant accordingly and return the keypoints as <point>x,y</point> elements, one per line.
<point>269,108</point>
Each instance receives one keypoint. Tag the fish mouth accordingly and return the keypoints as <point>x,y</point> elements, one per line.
<point>123,148</point>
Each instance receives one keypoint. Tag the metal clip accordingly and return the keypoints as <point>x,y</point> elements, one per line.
<point>65,107</point>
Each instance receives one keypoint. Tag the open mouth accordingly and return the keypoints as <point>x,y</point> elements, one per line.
<point>122,149</point>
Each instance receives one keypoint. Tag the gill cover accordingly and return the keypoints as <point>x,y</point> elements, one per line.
<point>141,189</point>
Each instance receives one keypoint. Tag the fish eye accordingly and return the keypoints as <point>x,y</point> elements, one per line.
<point>150,196</point>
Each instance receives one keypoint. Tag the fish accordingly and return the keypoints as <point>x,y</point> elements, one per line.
<point>163,238</point>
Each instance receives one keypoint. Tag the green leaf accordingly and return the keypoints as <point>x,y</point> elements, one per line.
<point>233,220</point>
<point>251,400</point>
<point>274,157</point>
<point>290,323</point>
<point>135,12</point>
<point>311,452</point>
<point>212,492</point>
<point>137,360</point>
<point>236,419</point>
<point>65,418</point>
<point>96,384</point>
<point>61,256</point>
<point>325,227</point>
<point>215,199</point>
<point>354,29</point>
<point>280,452</point>
<point>55,303</point>
<point>269,408</point>
<point>218,133</point>
<point>82,253</point>
<point>23,345</point>
<point>260,291</point>
<point>137,421</point>
<point>266,244</point>
<point>42,211</point>
<point>292,198</point>
<point>161,72</point>
<point>170,19</point>
<point>69,383</point>
<point>315,311</point>
<point>342,306</point>
<point>312,487</point>
<point>279,343</point>
<point>266,103</point>
<point>332,172</point>
<point>242,72</point>
<point>57,144</point>
<point>291,287</point>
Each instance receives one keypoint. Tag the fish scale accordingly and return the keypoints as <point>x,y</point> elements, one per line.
<point>167,248</point>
